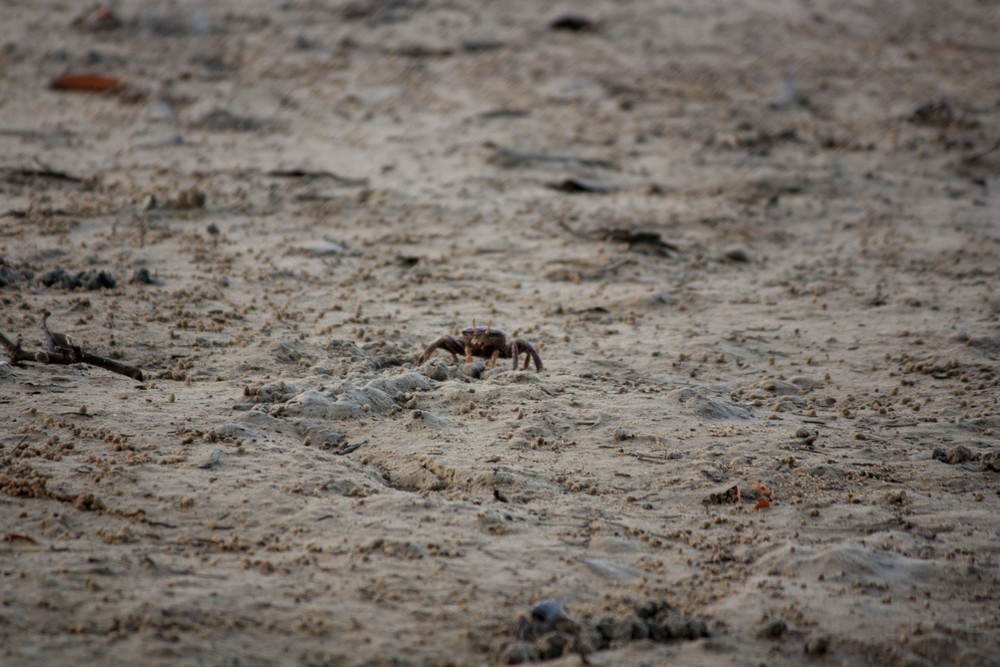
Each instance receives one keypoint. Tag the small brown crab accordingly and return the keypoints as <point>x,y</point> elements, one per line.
<point>487,342</point>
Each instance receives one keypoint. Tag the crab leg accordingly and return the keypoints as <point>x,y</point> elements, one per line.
<point>448,343</point>
<point>530,353</point>
<point>468,348</point>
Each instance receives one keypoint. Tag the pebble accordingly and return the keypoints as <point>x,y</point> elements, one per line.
<point>572,23</point>
<point>954,455</point>
<point>738,255</point>
<point>775,629</point>
<point>88,280</point>
<point>518,654</point>
<point>817,645</point>
<point>143,277</point>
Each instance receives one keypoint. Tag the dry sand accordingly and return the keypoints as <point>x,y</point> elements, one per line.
<point>785,277</point>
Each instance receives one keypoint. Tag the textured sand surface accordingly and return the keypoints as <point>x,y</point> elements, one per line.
<point>756,243</point>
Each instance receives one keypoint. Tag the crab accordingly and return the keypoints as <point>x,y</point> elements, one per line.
<point>487,342</point>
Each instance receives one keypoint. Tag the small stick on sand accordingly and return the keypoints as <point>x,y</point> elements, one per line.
<point>64,350</point>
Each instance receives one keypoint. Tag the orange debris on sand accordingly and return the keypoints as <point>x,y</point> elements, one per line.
<point>88,83</point>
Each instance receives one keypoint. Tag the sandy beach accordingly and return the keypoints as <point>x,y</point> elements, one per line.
<point>755,244</point>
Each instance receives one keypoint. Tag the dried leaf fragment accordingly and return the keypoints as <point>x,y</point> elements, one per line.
<point>85,83</point>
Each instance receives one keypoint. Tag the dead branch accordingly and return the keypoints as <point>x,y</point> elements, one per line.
<point>66,355</point>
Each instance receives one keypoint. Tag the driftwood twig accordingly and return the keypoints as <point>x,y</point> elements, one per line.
<point>63,349</point>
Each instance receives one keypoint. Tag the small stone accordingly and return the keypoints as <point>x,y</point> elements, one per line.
<point>518,654</point>
<point>677,626</point>
<point>188,200</point>
<point>623,434</point>
<point>572,23</point>
<point>606,627</point>
<point>50,278</point>
<point>436,371</point>
<point>896,497</point>
<point>88,503</point>
<point>648,609</point>
<point>102,279</point>
<point>640,630</point>
<point>817,645</point>
<point>954,455</point>
<point>615,633</point>
<point>775,629</point>
<point>473,369</point>
<point>659,633</point>
<point>554,645</point>
<point>990,462</point>
<point>696,629</point>
<point>933,112</point>
<point>143,277</point>
<point>738,255</point>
